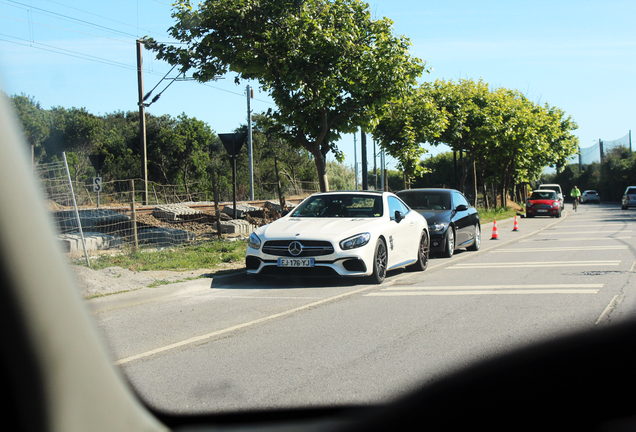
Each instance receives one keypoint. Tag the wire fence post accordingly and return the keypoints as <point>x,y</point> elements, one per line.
<point>79,222</point>
<point>134,215</point>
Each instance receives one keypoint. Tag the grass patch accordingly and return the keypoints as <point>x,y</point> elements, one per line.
<point>499,213</point>
<point>203,256</point>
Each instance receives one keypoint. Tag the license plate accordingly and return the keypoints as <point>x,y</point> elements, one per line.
<point>542,211</point>
<point>295,262</point>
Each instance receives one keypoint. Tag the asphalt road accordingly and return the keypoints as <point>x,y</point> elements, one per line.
<point>239,344</point>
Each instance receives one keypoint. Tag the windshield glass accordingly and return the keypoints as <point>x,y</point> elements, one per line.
<point>543,195</point>
<point>425,200</point>
<point>338,205</point>
<point>169,137</point>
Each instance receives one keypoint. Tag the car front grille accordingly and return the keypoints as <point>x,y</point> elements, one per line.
<point>310,248</point>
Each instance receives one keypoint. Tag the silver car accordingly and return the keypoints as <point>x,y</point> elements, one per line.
<point>629,198</point>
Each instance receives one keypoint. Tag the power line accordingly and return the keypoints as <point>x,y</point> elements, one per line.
<point>68,17</point>
<point>30,22</point>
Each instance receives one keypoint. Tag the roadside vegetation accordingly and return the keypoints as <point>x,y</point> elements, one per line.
<point>216,256</point>
<point>213,255</point>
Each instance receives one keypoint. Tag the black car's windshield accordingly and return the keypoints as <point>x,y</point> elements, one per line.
<point>340,205</point>
<point>427,200</point>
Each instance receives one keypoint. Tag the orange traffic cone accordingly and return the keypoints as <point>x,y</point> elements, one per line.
<point>495,235</point>
<point>516,226</point>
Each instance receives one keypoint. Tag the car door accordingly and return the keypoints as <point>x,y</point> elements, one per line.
<point>461,219</point>
<point>401,245</point>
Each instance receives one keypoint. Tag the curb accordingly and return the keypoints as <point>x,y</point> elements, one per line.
<point>145,294</point>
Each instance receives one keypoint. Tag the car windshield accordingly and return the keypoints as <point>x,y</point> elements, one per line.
<point>543,195</point>
<point>340,205</point>
<point>420,200</point>
<point>184,146</point>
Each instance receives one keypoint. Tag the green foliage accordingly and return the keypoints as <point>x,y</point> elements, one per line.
<point>207,255</point>
<point>329,67</point>
<point>506,138</point>
<point>33,120</point>
<point>609,179</point>
<point>181,151</point>
<point>407,123</point>
<point>340,176</point>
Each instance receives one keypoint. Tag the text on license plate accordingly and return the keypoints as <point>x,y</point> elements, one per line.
<point>542,211</point>
<point>295,262</point>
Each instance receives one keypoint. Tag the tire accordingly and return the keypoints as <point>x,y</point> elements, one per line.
<point>423,253</point>
<point>624,207</point>
<point>449,250</point>
<point>558,214</point>
<point>380,260</point>
<point>477,242</point>
<point>528,215</point>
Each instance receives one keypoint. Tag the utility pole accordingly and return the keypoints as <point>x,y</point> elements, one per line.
<point>363,155</point>
<point>250,95</point>
<point>142,123</point>
<point>375,167</point>
<point>355,159</point>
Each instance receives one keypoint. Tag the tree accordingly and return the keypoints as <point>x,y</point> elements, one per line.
<point>33,120</point>
<point>329,67</point>
<point>407,123</point>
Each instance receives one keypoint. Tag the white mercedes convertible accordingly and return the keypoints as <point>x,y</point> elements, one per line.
<point>357,233</point>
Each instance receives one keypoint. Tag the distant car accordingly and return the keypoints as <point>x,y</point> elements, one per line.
<point>452,222</point>
<point>361,233</point>
<point>629,198</point>
<point>590,196</point>
<point>555,187</point>
<point>543,202</point>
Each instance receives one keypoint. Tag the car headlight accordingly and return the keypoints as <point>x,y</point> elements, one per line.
<point>355,242</point>
<point>437,226</point>
<point>254,242</point>
<point>556,204</point>
<point>528,204</point>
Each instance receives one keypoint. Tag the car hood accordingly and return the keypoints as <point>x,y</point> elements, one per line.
<point>318,228</point>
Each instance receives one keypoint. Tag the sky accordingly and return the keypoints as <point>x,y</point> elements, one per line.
<point>577,55</point>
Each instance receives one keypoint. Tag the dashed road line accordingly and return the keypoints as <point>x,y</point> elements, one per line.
<point>533,264</point>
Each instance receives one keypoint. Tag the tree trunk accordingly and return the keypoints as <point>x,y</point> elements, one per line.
<point>462,182</point>
<point>474,180</point>
<point>321,169</point>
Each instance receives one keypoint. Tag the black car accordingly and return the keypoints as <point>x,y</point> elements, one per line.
<point>452,222</point>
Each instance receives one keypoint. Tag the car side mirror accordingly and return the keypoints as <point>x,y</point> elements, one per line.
<point>399,216</point>
<point>461,207</point>
<point>284,213</point>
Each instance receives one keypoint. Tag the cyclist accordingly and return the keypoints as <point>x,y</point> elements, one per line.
<point>576,194</point>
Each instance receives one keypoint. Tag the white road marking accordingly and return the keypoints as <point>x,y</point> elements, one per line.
<point>558,249</point>
<point>616,300</point>
<point>455,290</point>
<point>561,232</point>
<point>237,327</point>
<point>483,292</point>
<point>577,239</point>
<point>533,264</point>
<point>489,287</point>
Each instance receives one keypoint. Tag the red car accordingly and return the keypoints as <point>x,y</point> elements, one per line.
<point>543,203</point>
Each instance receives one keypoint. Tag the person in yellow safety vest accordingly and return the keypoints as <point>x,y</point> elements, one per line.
<point>576,194</point>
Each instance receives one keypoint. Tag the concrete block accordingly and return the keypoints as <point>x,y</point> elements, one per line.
<point>237,226</point>
<point>241,209</point>
<point>94,241</point>
<point>174,212</point>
